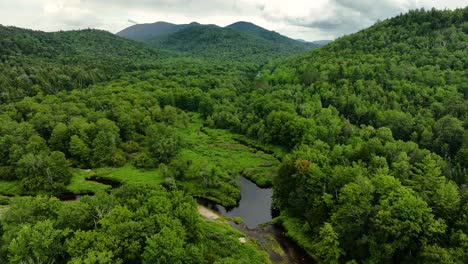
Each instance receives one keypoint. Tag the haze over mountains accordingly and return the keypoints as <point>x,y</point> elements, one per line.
<point>241,41</point>
<point>147,31</point>
<point>144,32</point>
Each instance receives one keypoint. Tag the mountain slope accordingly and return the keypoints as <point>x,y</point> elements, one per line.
<point>271,36</point>
<point>241,40</point>
<point>210,41</point>
<point>321,42</point>
<point>35,61</point>
<point>144,32</point>
<point>378,124</point>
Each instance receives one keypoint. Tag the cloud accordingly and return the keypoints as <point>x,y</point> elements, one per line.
<point>306,19</point>
<point>339,17</point>
<point>70,16</point>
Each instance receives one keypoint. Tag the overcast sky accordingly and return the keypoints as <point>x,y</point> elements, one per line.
<point>304,19</point>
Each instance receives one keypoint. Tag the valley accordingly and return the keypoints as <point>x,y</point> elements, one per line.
<point>349,151</point>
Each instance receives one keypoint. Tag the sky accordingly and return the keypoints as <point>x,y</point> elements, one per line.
<point>300,19</point>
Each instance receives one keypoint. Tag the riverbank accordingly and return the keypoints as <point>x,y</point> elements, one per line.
<point>269,237</point>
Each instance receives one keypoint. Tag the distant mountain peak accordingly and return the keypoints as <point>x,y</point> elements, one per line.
<point>197,38</point>
<point>147,31</point>
<point>243,23</point>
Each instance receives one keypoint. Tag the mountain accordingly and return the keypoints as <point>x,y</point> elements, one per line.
<point>222,43</point>
<point>144,32</point>
<point>321,42</point>
<point>63,45</point>
<point>268,35</point>
<point>241,40</point>
<point>36,61</point>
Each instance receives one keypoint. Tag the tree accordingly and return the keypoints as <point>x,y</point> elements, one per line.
<point>38,243</point>
<point>402,221</point>
<point>163,142</point>
<point>166,247</point>
<point>103,146</point>
<point>93,247</point>
<point>79,150</point>
<point>36,145</point>
<point>400,123</point>
<point>42,172</point>
<point>352,216</point>
<point>60,138</point>
<point>448,134</point>
<point>435,254</point>
<point>105,143</point>
<point>96,257</point>
<point>327,247</point>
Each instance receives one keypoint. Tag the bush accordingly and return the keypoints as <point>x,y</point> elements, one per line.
<point>144,160</point>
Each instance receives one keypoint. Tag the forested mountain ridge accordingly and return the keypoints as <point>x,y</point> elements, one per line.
<point>407,73</point>
<point>213,42</point>
<point>272,36</point>
<point>87,43</point>
<point>35,61</point>
<point>144,32</point>
<point>241,41</point>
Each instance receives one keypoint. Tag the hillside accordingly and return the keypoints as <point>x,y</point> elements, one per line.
<point>219,43</point>
<point>378,124</point>
<point>35,61</point>
<point>145,32</point>
<point>395,66</point>
<point>68,44</point>
<point>242,41</point>
<point>271,36</point>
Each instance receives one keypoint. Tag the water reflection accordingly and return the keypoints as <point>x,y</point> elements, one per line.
<point>254,207</point>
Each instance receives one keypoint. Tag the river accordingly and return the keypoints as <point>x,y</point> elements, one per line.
<point>254,208</point>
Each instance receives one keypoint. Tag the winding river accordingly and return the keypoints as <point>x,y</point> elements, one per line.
<point>254,208</point>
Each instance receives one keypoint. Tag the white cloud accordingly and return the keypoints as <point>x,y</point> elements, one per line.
<point>306,19</point>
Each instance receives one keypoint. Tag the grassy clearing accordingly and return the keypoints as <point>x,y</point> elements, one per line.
<point>125,174</point>
<point>130,174</point>
<point>225,150</point>
<point>79,184</point>
<point>10,188</point>
<point>216,157</point>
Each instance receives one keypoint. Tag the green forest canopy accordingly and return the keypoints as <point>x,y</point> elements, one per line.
<point>374,125</point>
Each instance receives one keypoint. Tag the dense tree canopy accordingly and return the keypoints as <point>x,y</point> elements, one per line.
<point>373,126</point>
<point>135,224</point>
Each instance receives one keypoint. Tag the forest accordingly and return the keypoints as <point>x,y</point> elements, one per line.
<point>364,142</point>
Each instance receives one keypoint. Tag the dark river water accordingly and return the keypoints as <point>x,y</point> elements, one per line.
<point>254,207</point>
